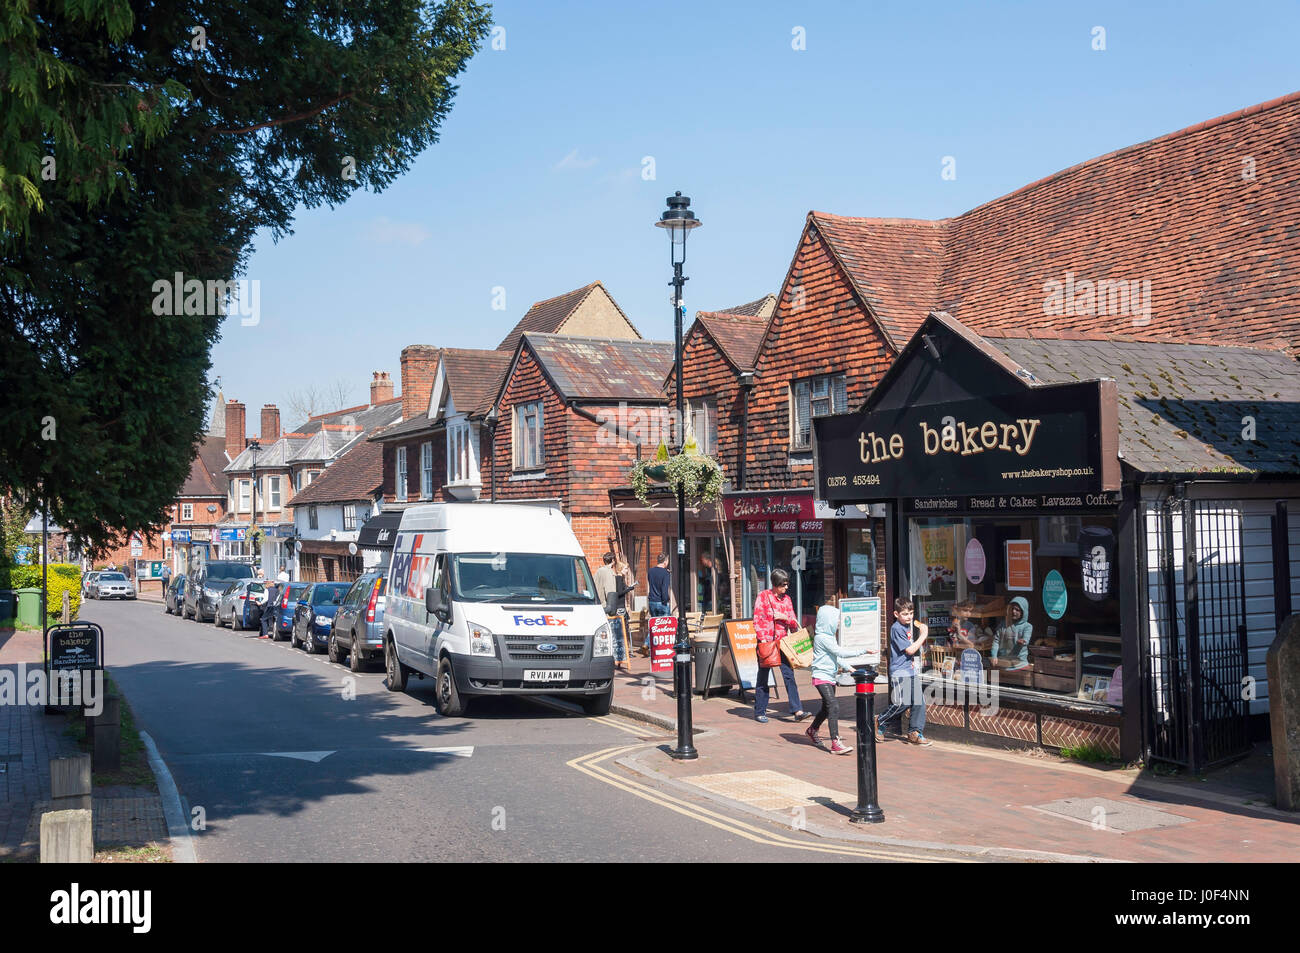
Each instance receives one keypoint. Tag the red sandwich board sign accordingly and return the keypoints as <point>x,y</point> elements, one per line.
<point>663,636</point>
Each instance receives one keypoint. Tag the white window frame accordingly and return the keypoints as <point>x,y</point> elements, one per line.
<point>187,512</point>
<point>822,395</point>
<point>426,470</point>
<point>273,493</point>
<point>460,453</point>
<point>245,496</point>
<point>400,489</point>
<point>529,441</point>
<point>349,516</point>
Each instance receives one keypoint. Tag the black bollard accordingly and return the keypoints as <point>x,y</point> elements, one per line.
<point>867,811</point>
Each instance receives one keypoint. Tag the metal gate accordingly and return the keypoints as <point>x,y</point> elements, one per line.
<point>1195,650</point>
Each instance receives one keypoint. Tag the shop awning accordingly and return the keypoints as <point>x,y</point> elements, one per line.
<point>380,531</point>
<point>955,416</point>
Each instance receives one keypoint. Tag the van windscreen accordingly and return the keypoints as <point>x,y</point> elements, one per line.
<point>527,577</point>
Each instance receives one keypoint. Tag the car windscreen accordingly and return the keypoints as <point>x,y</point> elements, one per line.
<point>330,595</point>
<point>526,577</point>
<point>228,572</point>
<point>112,577</point>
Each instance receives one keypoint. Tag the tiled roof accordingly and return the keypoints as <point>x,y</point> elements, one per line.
<point>738,337</point>
<point>762,308</point>
<point>603,369</point>
<point>1183,408</point>
<point>1200,223</point>
<point>474,377</point>
<point>545,317</point>
<point>402,429</point>
<point>357,475</point>
<point>277,455</point>
<point>205,477</point>
<point>365,416</point>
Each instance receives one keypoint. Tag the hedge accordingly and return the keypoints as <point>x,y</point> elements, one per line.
<point>62,576</point>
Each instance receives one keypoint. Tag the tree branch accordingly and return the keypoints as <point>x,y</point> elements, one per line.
<point>279,122</point>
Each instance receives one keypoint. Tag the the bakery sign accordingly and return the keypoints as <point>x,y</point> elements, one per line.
<point>1044,439</point>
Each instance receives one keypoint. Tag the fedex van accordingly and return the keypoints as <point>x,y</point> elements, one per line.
<point>495,599</point>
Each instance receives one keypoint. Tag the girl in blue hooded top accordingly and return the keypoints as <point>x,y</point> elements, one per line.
<point>1011,642</point>
<point>827,654</point>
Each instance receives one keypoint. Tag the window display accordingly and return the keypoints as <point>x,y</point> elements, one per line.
<point>1022,596</point>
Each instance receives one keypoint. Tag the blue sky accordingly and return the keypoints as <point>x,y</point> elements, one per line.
<point>536,186</point>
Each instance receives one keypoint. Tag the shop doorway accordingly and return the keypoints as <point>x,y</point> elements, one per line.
<point>1195,654</point>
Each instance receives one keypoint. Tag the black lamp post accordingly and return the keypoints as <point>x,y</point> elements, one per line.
<point>254,448</point>
<point>679,220</point>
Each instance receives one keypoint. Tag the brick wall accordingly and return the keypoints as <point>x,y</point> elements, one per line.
<point>708,373</point>
<point>528,384</point>
<point>419,366</point>
<point>819,327</point>
<point>596,537</point>
<point>439,440</point>
<point>596,463</point>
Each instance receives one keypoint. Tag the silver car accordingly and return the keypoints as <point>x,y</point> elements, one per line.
<point>113,585</point>
<point>241,604</point>
<point>88,585</point>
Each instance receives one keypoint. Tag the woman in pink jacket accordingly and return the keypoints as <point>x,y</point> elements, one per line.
<point>774,619</point>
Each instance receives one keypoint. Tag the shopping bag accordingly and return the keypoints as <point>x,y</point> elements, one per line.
<point>769,654</point>
<point>797,647</point>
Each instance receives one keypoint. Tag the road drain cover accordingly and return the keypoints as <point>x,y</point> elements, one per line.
<point>1106,814</point>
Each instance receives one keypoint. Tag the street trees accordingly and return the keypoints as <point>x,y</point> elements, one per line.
<point>139,144</point>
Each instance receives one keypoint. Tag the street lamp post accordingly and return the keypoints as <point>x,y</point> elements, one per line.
<point>254,448</point>
<point>678,220</point>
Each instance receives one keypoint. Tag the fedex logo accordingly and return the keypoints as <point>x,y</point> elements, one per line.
<point>543,620</point>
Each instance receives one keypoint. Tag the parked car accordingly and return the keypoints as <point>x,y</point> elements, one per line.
<point>288,602</point>
<point>313,619</point>
<point>203,593</point>
<point>113,585</point>
<point>358,630</point>
<point>495,599</point>
<point>88,585</point>
<point>241,604</point>
<point>174,594</point>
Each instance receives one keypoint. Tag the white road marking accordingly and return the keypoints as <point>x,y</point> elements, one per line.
<point>313,756</point>
<point>464,751</point>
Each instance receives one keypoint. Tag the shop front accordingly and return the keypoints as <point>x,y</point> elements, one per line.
<point>1005,529</point>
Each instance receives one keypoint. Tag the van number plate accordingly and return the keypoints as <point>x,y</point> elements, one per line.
<point>546,675</point>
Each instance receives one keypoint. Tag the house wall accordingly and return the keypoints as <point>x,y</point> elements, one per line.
<point>598,317</point>
<point>439,440</point>
<point>528,384</point>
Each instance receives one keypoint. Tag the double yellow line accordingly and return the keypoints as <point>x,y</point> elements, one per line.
<point>589,765</point>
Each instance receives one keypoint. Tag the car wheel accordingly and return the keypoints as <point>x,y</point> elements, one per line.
<point>396,678</point>
<point>447,699</point>
<point>237,621</point>
<point>333,649</point>
<point>309,641</point>
<point>354,656</point>
<point>599,704</point>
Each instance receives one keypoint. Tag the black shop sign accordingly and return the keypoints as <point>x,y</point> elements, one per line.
<point>74,648</point>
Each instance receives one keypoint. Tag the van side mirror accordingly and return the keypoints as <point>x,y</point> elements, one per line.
<point>433,600</point>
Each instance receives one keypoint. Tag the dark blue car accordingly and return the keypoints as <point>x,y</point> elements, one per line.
<point>314,617</point>
<point>281,624</point>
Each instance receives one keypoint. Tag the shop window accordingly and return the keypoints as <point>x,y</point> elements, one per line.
<point>860,562</point>
<point>1026,595</point>
<point>816,397</point>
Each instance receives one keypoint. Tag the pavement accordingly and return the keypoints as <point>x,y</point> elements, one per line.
<point>121,817</point>
<point>967,798</point>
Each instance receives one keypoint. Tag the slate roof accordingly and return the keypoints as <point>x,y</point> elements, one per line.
<point>365,416</point>
<point>762,308</point>
<point>1207,215</point>
<point>474,377</point>
<point>601,368</point>
<point>277,455</point>
<point>738,337</point>
<point>325,444</point>
<point>205,477</point>
<point>1182,407</point>
<point>356,475</point>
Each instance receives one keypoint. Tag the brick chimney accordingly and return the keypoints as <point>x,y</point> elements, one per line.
<point>381,388</point>
<point>270,424</point>
<point>419,362</point>
<point>235,432</point>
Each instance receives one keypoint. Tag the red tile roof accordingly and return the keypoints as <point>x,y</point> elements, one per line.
<point>602,368</point>
<point>474,377</point>
<point>1200,224</point>
<point>737,337</point>
<point>205,477</point>
<point>762,308</point>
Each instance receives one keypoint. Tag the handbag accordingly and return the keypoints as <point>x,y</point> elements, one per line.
<point>797,647</point>
<point>769,654</point>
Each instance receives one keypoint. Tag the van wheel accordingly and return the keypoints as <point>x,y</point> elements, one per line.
<point>447,699</point>
<point>599,704</point>
<point>397,672</point>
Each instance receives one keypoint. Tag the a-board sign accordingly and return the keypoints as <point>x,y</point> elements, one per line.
<point>78,647</point>
<point>663,636</point>
<point>735,660</point>
<point>972,667</point>
<point>860,629</point>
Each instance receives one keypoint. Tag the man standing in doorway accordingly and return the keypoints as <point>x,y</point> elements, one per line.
<point>661,587</point>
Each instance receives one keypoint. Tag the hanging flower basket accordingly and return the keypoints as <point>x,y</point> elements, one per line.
<point>699,476</point>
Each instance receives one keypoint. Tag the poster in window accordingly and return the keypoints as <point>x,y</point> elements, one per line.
<point>940,558</point>
<point>975,562</point>
<point>1096,556</point>
<point>860,628</point>
<point>1020,565</point>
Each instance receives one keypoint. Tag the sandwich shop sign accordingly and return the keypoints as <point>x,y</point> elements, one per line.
<point>1044,439</point>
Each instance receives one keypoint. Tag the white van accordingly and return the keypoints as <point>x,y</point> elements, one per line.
<point>495,599</point>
